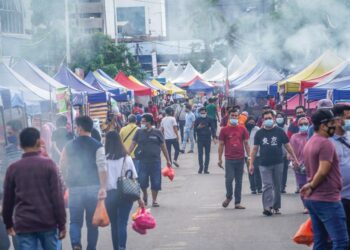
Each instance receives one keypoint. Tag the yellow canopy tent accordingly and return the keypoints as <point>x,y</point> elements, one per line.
<point>326,62</point>
<point>158,85</point>
<point>172,89</point>
<point>135,80</point>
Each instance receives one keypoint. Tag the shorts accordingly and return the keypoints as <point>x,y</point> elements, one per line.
<point>150,171</point>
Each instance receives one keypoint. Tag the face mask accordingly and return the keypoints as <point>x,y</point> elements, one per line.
<point>280,120</point>
<point>250,126</point>
<point>330,130</point>
<point>303,128</point>
<point>234,122</point>
<point>299,116</point>
<point>203,115</point>
<point>143,126</point>
<point>268,123</point>
<point>12,139</point>
<point>346,126</point>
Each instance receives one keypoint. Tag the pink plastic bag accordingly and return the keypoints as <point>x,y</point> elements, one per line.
<point>168,172</point>
<point>137,229</point>
<point>145,220</point>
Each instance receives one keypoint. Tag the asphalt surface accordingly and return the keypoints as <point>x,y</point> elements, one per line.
<point>190,216</point>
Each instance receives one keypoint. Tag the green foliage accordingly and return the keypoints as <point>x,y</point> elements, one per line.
<point>99,52</point>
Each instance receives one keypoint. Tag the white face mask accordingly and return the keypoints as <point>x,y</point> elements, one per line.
<point>203,115</point>
<point>143,126</point>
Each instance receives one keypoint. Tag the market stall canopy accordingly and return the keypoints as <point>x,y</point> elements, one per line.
<point>158,85</point>
<point>69,79</point>
<point>233,65</point>
<point>325,63</point>
<point>294,102</point>
<point>187,75</point>
<point>217,72</point>
<point>247,66</point>
<point>168,71</point>
<point>254,72</point>
<point>177,73</point>
<point>173,89</point>
<point>339,78</point>
<point>36,76</point>
<point>139,90</point>
<point>189,83</point>
<point>260,81</point>
<point>310,83</point>
<point>200,86</point>
<point>18,85</point>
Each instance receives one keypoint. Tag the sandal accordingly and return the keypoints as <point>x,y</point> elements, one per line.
<point>239,207</point>
<point>155,204</point>
<point>226,202</point>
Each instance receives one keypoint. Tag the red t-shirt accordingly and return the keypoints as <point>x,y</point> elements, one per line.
<point>233,137</point>
<point>318,149</point>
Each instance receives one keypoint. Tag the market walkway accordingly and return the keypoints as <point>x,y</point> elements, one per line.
<point>191,216</point>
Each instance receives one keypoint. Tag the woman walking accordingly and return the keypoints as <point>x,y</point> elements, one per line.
<point>118,162</point>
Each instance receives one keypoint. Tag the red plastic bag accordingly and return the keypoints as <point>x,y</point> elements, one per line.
<point>145,220</point>
<point>305,234</point>
<point>137,229</point>
<point>168,172</point>
<point>100,218</point>
<point>136,214</point>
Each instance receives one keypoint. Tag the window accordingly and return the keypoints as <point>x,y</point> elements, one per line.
<point>11,16</point>
<point>135,16</point>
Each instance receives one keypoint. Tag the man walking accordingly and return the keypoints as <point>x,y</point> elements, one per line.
<point>60,137</point>
<point>168,127</point>
<point>212,111</point>
<point>83,164</point>
<point>188,129</point>
<point>234,139</point>
<point>33,206</point>
<point>180,114</point>
<point>127,133</point>
<point>204,129</point>
<point>270,139</point>
<point>150,142</point>
<point>322,192</point>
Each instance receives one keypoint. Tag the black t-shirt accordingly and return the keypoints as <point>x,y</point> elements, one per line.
<point>271,143</point>
<point>61,136</point>
<point>150,143</point>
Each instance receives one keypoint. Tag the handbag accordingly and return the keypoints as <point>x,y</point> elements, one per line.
<point>127,187</point>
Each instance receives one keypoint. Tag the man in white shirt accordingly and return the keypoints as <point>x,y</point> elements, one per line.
<point>169,128</point>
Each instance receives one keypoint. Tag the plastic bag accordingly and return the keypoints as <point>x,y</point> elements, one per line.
<point>100,218</point>
<point>305,234</point>
<point>137,229</point>
<point>168,172</point>
<point>145,220</point>
<point>136,214</point>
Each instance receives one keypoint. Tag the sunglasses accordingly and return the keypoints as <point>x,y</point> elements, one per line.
<point>303,124</point>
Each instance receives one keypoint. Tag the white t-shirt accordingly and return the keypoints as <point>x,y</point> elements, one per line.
<point>168,124</point>
<point>114,170</point>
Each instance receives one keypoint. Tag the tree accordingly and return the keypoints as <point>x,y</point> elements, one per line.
<point>99,52</point>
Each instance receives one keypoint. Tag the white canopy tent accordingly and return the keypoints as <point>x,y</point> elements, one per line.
<point>217,72</point>
<point>247,66</point>
<point>187,75</point>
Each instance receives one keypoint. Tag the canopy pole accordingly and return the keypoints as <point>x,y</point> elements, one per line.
<point>71,109</point>
<point>3,122</point>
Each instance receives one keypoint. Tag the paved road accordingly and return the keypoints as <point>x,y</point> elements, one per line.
<point>191,216</point>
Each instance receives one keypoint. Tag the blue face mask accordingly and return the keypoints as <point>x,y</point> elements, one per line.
<point>234,122</point>
<point>346,126</point>
<point>12,139</point>
<point>303,128</point>
<point>280,120</point>
<point>268,123</point>
<point>143,126</point>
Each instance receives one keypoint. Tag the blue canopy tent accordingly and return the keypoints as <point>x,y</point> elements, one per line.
<point>120,94</point>
<point>69,79</point>
<point>254,72</point>
<point>200,86</point>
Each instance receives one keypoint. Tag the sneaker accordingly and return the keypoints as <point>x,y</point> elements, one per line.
<point>182,151</point>
<point>199,172</point>
<point>176,164</point>
<point>267,212</point>
<point>253,192</point>
<point>206,172</point>
<point>277,211</point>
<point>190,152</point>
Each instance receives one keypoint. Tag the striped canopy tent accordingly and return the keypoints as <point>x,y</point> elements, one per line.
<point>325,63</point>
<point>135,80</point>
<point>246,67</point>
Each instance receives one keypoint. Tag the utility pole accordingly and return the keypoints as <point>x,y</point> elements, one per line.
<point>115,22</point>
<point>66,14</point>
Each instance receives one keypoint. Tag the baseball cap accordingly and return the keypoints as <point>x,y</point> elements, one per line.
<point>325,104</point>
<point>322,116</point>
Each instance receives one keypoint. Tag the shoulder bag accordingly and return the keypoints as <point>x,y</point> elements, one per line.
<point>127,187</point>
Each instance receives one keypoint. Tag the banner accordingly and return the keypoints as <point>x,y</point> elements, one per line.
<point>62,97</point>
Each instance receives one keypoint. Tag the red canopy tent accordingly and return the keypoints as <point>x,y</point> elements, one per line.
<point>139,90</point>
<point>186,85</point>
<point>293,102</point>
<point>310,83</point>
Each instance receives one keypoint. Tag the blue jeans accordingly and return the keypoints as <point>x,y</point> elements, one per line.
<point>188,135</point>
<point>4,238</point>
<point>29,241</point>
<point>150,172</point>
<point>328,219</point>
<point>83,199</point>
<point>118,212</point>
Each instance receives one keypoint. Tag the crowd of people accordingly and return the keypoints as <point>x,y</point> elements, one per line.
<point>86,165</point>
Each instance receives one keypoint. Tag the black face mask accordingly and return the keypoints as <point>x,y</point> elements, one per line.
<point>330,130</point>
<point>249,126</point>
<point>299,116</point>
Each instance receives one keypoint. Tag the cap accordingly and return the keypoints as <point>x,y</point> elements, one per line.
<point>325,104</point>
<point>266,107</point>
<point>322,116</point>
